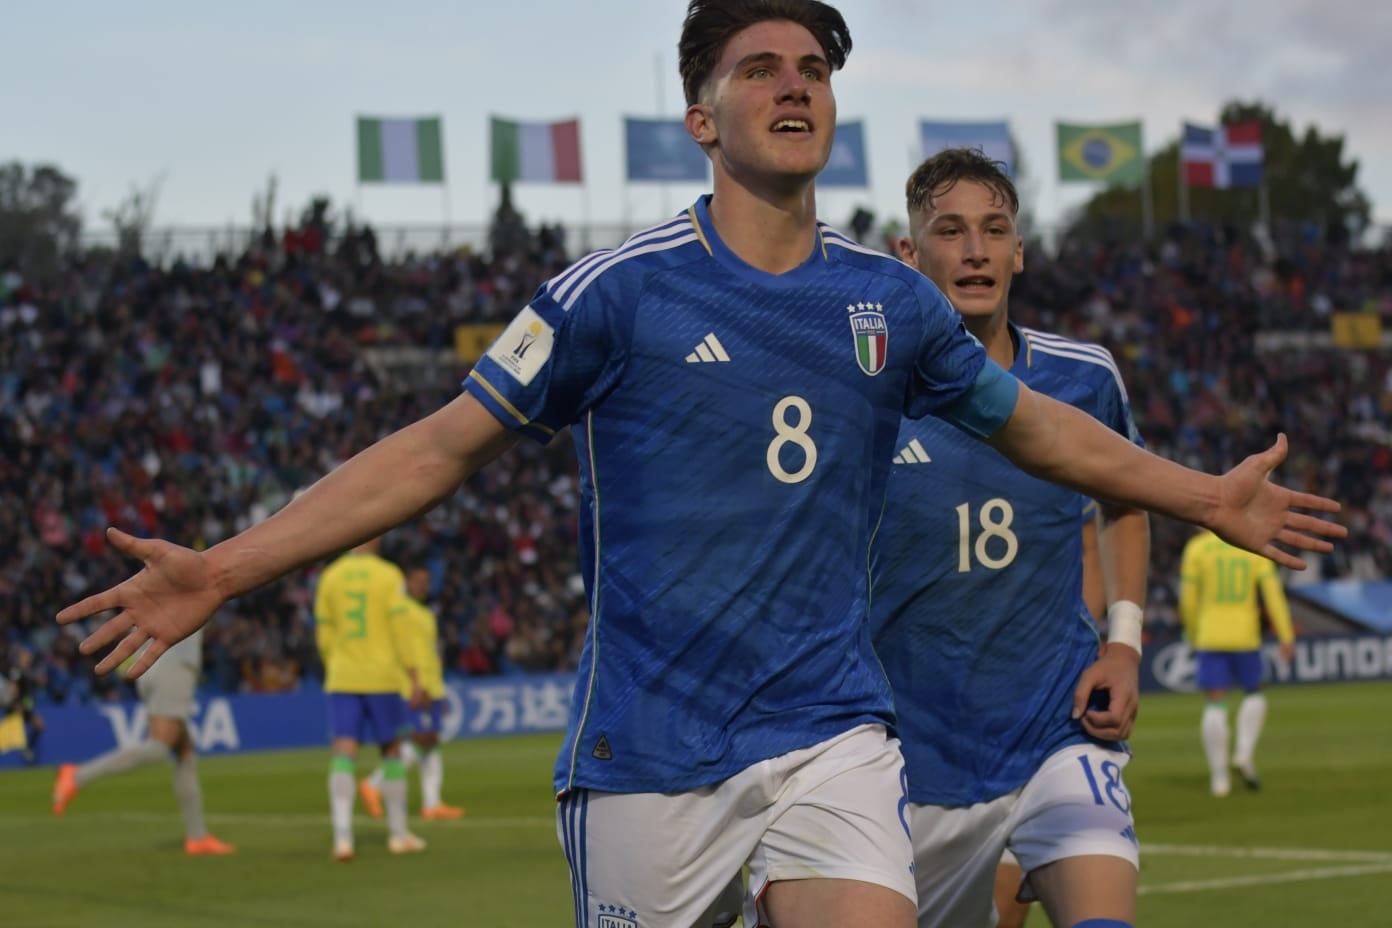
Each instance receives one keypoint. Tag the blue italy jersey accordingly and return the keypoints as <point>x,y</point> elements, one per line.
<point>977,609</point>
<point>734,430</point>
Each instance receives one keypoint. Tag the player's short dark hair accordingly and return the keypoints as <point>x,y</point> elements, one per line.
<point>711,23</point>
<point>942,171</point>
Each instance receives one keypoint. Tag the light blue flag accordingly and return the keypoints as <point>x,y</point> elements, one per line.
<point>662,150</point>
<point>993,138</point>
<point>847,166</point>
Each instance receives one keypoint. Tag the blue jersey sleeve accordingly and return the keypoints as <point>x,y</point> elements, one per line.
<point>991,400</point>
<point>554,361</point>
<point>950,359</point>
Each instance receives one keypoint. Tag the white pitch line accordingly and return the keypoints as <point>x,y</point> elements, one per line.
<point>1325,873</point>
<point>1265,853</point>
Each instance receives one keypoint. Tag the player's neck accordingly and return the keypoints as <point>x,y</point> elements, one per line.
<point>773,234</point>
<point>993,332</point>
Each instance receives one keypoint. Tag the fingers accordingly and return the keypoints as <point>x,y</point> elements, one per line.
<point>1284,558</point>
<point>152,654</point>
<point>1083,691</point>
<point>1273,457</point>
<point>1106,726</point>
<point>1116,721</point>
<point>1319,503</point>
<point>123,650</point>
<point>127,543</point>
<point>98,602</point>
<point>1314,525</point>
<point>106,633</point>
<point>1304,542</point>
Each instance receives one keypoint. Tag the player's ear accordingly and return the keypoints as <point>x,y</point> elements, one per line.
<point>1019,254</point>
<point>700,124</point>
<point>904,245</point>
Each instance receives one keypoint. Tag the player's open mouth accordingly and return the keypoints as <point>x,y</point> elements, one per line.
<point>974,282</point>
<point>791,125</point>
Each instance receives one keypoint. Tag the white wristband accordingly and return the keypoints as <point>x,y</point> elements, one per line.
<point>1124,619</point>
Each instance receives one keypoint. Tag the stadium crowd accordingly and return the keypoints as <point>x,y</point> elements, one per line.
<point>187,401</point>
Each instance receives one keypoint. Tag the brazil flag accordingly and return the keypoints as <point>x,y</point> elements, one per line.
<point>1110,153</point>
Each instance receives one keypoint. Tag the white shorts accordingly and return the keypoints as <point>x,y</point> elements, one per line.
<point>835,810</point>
<point>168,691</point>
<point>1075,805</point>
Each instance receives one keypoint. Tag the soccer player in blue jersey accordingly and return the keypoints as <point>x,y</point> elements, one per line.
<point>735,378</point>
<point>979,609</point>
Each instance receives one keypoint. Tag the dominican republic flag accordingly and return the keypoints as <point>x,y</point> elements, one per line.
<point>1229,156</point>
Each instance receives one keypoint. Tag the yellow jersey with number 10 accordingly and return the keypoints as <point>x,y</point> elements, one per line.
<point>1218,596</point>
<point>358,610</point>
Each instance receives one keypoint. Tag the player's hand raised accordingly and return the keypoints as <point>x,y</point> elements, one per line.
<point>170,599</point>
<point>1256,514</point>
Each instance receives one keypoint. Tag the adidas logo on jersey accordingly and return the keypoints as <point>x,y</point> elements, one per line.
<point>913,453</point>
<point>710,350</point>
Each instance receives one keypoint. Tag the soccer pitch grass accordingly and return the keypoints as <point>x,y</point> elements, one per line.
<point>1313,848</point>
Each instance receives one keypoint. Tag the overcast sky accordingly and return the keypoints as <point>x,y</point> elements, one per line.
<point>214,98</point>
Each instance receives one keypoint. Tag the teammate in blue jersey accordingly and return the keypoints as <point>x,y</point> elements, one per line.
<point>979,612</point>
<point>735,378</point>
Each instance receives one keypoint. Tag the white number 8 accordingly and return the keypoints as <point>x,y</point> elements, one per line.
<point>795,433</point>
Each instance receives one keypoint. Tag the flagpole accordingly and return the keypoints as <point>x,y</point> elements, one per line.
<point>1183,182</point>
<point>1264,203</point>
<point>444,189</point>
<point>445,238</point>
<point>585,216</point>
<point>357,173</point>
<point>662,111</point>
<point>1147,203</point>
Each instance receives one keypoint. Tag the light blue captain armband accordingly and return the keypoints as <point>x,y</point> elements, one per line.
<point>985,407</point>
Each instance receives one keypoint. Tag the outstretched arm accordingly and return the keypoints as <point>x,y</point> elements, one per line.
<point>1059,443</point>
<point>404,474</point>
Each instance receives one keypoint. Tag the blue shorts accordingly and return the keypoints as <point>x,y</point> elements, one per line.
<point>426,721</point>
<point>1220,670</point>
<point>377,718</point>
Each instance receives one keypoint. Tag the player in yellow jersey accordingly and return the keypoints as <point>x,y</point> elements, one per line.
<point>423,689</point>
<point>1218,604</point>
<point>359,610</point>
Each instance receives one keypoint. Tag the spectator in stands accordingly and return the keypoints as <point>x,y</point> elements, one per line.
<point>170,398</point>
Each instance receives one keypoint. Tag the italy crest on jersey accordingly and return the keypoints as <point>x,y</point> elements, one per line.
<point>871,336</point>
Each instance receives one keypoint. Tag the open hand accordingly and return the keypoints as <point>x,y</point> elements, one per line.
<point>170,599</point>
<point>1255,514</point>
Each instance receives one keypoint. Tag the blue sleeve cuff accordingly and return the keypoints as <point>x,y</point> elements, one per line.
<point>988,404</point>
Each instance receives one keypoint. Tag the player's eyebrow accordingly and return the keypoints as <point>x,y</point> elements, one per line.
<point>961,220</point>
<point>775,58</point>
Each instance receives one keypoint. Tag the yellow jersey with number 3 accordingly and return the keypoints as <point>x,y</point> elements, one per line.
<point>358,610</point>
<point>1218,596</point>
